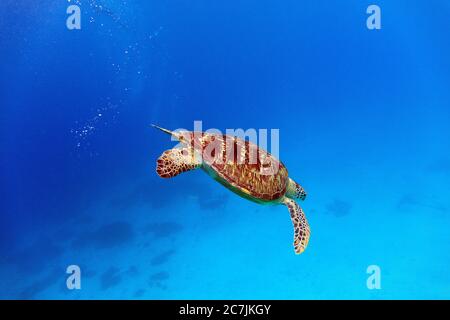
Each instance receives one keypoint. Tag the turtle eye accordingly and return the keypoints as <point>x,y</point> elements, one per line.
<point>266,165</point>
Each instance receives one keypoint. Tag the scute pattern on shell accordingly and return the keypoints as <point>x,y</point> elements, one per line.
<point>244,165</point>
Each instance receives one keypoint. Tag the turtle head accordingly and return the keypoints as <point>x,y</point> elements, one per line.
<point>295,191</point>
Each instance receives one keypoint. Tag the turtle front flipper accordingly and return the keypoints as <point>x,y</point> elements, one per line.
<point>175,161</point>
<point>301,226</point>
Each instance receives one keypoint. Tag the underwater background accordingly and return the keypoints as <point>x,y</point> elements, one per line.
<point>364,126</point>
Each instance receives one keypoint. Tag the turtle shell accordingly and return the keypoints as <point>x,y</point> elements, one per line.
<point>246,167</point>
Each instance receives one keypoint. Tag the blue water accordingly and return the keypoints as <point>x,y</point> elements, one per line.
<point>364,126</point>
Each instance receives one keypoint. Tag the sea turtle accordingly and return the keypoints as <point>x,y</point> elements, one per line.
<point>242,167</point>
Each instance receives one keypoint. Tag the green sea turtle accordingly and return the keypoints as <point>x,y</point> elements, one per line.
<point>240,166</point>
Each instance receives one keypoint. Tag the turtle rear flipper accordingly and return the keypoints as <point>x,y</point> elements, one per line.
<point>301,226</point>
<point>175,161</point>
